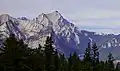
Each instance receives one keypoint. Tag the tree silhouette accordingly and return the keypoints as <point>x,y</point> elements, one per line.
<point>87,54</point>
<point>49,52</point>
<point>95,56</point>
<point>110,63</point>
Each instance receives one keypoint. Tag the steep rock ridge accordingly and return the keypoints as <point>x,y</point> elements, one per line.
<point>9,25</point>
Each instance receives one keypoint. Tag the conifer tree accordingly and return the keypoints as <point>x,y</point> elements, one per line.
<point>49,52</point>
<point>56,61</point>
<point>117,67</point>
<point>75,62</point>
<point>87,54</point>
<point>110,63</point>
<point>101,66</point>
<point>95,56</point>
<point>13,53</point>
<point>16,56</point>
<point>87,61</point>
<point>70,63</point>
<point>63,63</point>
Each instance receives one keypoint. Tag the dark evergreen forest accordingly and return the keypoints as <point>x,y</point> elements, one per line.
<point>15,55</point>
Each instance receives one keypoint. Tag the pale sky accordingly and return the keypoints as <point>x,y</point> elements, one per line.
<point>94,15</point>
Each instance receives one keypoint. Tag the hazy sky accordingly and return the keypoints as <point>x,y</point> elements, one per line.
<point>94,15</point>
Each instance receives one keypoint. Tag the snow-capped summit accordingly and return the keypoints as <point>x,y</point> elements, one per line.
<point>66,36</point>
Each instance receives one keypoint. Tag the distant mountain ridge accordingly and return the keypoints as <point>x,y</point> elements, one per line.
<point>66,36</point>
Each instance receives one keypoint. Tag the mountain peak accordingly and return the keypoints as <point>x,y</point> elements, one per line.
<point>57,12</point>
<point>42,14</point>
<point>66,37</point>
<point>4,17</point>
<point>54,16</point>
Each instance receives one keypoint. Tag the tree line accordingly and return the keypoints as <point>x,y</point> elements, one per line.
<point>15,55</point>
